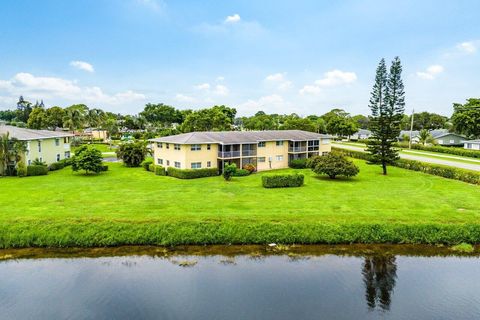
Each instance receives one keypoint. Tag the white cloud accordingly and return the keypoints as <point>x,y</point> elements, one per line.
<point>232,19</point>
<point>220,78</point>
<point>57,88</point>
<point>82,65</point>
<point>202,86</point>
<point>431,72</point>
<point>279,80</point>
<point>221,90</point>
<point>332,78</point>
<point>467,47</point>
<point>184,98</point>
<point>268,103</point>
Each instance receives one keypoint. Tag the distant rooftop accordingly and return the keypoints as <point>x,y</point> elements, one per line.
<point>234,137</point>
<point>31,134</point>
<point>435,133</point>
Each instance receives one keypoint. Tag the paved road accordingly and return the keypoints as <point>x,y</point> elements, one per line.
<point>468,166</point>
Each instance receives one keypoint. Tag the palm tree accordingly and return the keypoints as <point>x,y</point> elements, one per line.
<point>4,153</point>
<point>73,119</point>
<point>11,149</point>
<point>424,137</point>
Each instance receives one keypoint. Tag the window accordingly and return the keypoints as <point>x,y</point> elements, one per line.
<point>41,159</point>
<point>167,145</point>
<point>196,147</point>
<point>168,162</point>
<point>261,144</point>
<point>279,158</point>
<point>208,147</point>
<point>58,156</point>
<point>452,141</point>
<point>196,165</point>
<point>160,145</point>
<point>67,154</point>
<point>159,161</point>
<point>177,164</point>
<point>469,146</point>
<point>39,143</point>
<point>279,143</point>
<point>209,164</point>
<point>57,142</point>
<point>176,146</point>
<point>261,159</point>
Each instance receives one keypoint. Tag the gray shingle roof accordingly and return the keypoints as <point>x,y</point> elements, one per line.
<point>435,133</point>
<point>31,134</point>
<point>234,137</point>
<point>472,141</point>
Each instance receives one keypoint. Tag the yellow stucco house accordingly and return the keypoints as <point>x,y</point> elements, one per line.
<point>266,150</point>
<point>47,146</point>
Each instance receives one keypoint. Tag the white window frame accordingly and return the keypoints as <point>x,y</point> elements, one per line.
<point>159,161</point>
<point>209,164</point>
<point>196,165</point>
<point>159,145</point>
<point>279,143</point>
<point>176,146</point>
<point>196,147</point>
<point>452,141</point>
<point>168,162</point>
<point>177,164</point>
<point>57,142</point>
<point>325,141</point>
<point>58,156</point>
<point>279,157</point>
<point>261,144</point>
<point>261,159</point>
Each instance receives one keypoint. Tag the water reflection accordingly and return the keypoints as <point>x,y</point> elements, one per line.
<point>379,276</point>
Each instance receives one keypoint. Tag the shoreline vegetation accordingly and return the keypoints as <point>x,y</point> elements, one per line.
<point>131,206</point>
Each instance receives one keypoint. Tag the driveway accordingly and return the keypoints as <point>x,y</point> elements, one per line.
<point>423,158</point>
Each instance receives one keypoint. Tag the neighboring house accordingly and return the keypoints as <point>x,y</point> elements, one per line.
<point>472,144</point>
<point>47,146</point>
<point>361,134</point>
<point>264,149</point>
<point>90,133</point>
<point>442,137</point>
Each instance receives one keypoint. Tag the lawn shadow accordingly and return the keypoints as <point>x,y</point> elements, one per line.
<point>338,179</point>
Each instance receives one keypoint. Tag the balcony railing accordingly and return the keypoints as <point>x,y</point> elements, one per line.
<point>249,153</point>
<point>297,149</point>
<point>229,154</point>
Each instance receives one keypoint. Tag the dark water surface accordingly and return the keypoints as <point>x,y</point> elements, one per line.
<point>242,283</point>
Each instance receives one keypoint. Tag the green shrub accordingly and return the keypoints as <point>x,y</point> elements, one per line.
<point>334,164</point>
<point>449,150</point>
<point>38,162</point>
<point>37,170</point>
<point>298,164</point>
<point>146,163</point>
<point>56,166</point>
<point>21,169</point>
<point>250,167</point>
<point>463,247</point>
<point>132,153</point>
<point>282,180</point>
<point>159,170</point>
<point>87,158</point>
<point>229,171</point>
<point>241,173</point>
<point>192,173</point>
<point>151,167</point>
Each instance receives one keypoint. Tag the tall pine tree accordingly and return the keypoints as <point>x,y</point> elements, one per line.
<point>387,103</point>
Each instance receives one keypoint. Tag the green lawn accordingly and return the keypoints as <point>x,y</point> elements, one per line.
<point>133,206</point>
<point>100,146</point>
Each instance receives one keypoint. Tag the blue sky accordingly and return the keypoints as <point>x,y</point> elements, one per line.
<point>278,56</point>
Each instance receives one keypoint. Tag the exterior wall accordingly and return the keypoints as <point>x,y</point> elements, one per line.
<point>169,154</point>
<point>99,134</point>
<point>202,156</point>
<point>49,150</point>
<point>270,151</point>
<point>472,145</point>
<point>325,146</point>
<point>447,140</point>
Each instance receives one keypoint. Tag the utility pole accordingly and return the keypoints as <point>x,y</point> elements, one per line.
<point>411,129</point>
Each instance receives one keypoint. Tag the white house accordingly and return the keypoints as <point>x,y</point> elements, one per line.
<point>472,145</point>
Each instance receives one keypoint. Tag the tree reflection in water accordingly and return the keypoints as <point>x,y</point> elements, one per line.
<point>379,276</point>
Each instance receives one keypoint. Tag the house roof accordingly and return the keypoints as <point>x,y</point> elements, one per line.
<point>435,133</point>
<point>472,141</point>
<point>363,132</point>
<point>234,137</point>
<point>31,134</point>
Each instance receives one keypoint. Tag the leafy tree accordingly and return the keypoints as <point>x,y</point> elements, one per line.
<point>387,103</point>
<point>161,114</point>
<point>333,165</point>
<point>361,120</point>
<point>340,123</point>
<point>95,117</point>
<point>7,115</point>
<point>294,122</point>
<point>74,118</point>
<point>260,121</point>
<point>54,117</point>
<point>11,149</point>
<point>319,123</point>
<point>229,170</point>
<point>111,127</point>
<point>21,168</point>
<point>24,108</point>
<point>217,118</point>
<point>132,154</point>
<point>466,118</point>
<point>37,119</point>
<point>425,137</point>
<point>87,158</point>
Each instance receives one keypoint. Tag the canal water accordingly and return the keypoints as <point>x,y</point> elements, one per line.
<point>310,282</point>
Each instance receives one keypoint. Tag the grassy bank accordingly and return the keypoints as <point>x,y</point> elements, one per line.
<point>129,206</point>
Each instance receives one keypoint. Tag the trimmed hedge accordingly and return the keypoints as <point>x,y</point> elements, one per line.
<point>298,163</point>
<point>37,170</point>
<point>442,149</point>
<point>433,169</point>
<point>282,180</point>
<point>241,173</point>
<point>159,171</point>
<point>146,164</point>
<point>56,166</point>
<point>192,173</point>
<point>151,167</point>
